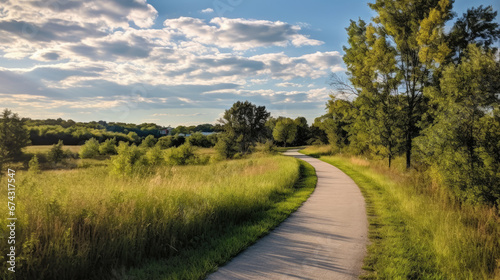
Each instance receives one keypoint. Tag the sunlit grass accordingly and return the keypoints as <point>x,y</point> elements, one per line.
<point>79,223</point>
<point>417,229</point>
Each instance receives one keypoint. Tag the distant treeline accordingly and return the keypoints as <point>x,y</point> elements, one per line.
<point>50,131</point>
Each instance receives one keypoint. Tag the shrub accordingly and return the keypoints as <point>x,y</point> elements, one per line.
<point>127,158</point>
<point>108,147</point>
<point>149,141</point>
<point>34,166</point>
<point>180,156</point>
<point>268,147</point>
<point>56,153</point>
<point>200,140</point>
<point>154,156</point>
<point>166,142</point>
<point>90,149</point>
<point>226,147</point>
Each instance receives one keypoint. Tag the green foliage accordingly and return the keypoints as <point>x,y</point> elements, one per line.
<point>127,159</point>
<point>226,146</point>
<point>181,155</point>
<point>34,166</point>
<point>154,156</point>
<point>462,143</point>
<point>134,136</point>
<point>13,135</point>
<point>199,140</point>
<point>90,149</point>
<point>417,232</point>
<point>108,147</point>
<point>285,131</point>
<point>476,26</point>
<point>166,142</point>
<point>56,153</point>
<point>148,142</point>
<point>246,122</point>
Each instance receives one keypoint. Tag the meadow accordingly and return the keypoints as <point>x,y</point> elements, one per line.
<point>418,229</point>
<point>87,223</point>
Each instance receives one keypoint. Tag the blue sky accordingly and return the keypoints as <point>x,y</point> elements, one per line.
<point>172,62</point>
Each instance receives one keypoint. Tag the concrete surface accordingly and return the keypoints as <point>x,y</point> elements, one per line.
<point>325,238</point>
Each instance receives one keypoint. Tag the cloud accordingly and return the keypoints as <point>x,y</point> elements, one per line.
<point>207,11</point>
<point>240,34</point>
<point>108,55</point>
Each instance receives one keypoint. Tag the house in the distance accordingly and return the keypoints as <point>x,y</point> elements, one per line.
<point>165,131</point>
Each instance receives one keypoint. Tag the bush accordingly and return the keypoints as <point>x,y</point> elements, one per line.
<point>108,147</point>
<point>268,147</point>
<point>127,158</point>
<point>56,153</point>
<point>34,166</point>
<point>199,140</point>
<point>148,142</point>
<point>226,147</point>
<point>166,142</point>
<point>154,156</point>
<point>90,149</point>
<point>181,156</point>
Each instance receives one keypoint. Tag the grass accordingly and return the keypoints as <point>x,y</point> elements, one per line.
<point>44,149</point>
<point>178,223</point>
<point>417,229</point>
<point>197,262</point>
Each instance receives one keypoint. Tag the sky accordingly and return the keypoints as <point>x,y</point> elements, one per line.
<point>173,62</point>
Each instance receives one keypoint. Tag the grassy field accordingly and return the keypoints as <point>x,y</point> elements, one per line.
<point>43,149</point>
<point>180,222</point>
<point>417,230</point>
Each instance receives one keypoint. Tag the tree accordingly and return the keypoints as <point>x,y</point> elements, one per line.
<point>245,122</point>
<point>416,30</point>
<point>477,26</point>
<point>108,147</point>
<point>149,141</point>
<point>303,133</point>
<point>90,149</point>
<point>13,135</point>
<point>285,131</point>
<point>56,153</point>
<point>463,142</point>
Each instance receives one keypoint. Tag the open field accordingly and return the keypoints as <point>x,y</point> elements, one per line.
<point>43,149</point>
<point>80,223</point>
<point>417,229</point>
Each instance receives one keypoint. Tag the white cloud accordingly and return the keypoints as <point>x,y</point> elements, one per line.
<point>240,34</point>
<point>207,11</point>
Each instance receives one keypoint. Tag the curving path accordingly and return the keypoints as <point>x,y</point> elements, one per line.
<point>325,238</point>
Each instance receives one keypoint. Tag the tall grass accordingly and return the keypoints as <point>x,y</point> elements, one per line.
<point>80,223</point>
<point>418,229</point>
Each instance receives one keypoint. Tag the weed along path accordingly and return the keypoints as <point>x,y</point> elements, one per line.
<point>325,238</point>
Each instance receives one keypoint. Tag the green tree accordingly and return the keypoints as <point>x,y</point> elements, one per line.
<point>13,136</point>
<point>149,141</point>
<point>415,29</point>
<point>246,123</point>
<point>33,165</point>
<point>462,144</point>
<point>285,131</point>
<point>108,147</point>
<point>90,149</point>
<point>303,133</point>
<point>476,26</point>
<point>56,153</point>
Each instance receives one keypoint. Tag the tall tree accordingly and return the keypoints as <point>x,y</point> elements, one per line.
<point>463,142</point>
<point>415,27</point>
<point>246,122</point>
<point>476,26</point>
<point>285,131</point>
<point>13,135</point>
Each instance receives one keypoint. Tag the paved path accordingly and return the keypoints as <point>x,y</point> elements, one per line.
<point>324,239</point>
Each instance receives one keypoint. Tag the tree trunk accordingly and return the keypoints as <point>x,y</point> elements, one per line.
<point>408,150</point>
